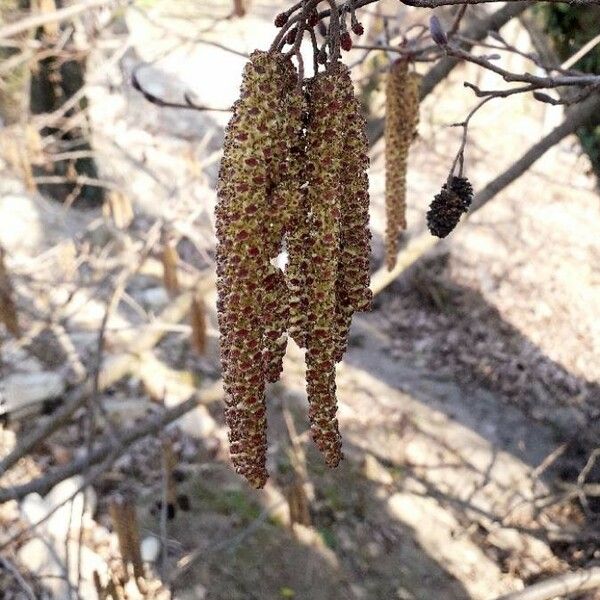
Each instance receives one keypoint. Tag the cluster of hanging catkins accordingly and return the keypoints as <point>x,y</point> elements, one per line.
<point>401,120</point>
<point>293,178</point>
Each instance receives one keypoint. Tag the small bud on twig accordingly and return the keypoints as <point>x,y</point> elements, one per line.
<point>437,32</point>
<point>291,36</point>
<point>357,28</point>
<point>281,19</point>
<point>541,97</point>
<point>346,41</point>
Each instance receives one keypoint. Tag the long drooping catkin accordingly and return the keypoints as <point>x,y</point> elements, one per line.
<point>293,175</point>
<point>401,119</point>
<point>324,150</point>
<point>298,243</point>
<point>249,231</point>
<point>352,286</point>
<point>284,202</point>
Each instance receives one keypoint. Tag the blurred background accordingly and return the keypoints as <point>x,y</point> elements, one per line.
<point>469,397</point>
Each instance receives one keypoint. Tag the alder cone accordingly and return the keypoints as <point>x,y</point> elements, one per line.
<point>462,187</point>
<point>401,120</point>
<point>249,233</point>
<point>444,212</point>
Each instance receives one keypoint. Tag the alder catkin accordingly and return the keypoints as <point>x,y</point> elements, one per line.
<point>293,177</point>
<point>352,286</point>
<point>324,151</point>
<point>284,200</point>
<point>297,270</point>
<point>249,229</point>
<point>401,120</point>
<point>123,515</point>
<point>170,259</point>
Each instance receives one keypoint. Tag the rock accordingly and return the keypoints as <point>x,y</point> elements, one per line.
<point>123,409</point>
<point>67,488</point>
<point>197,423</point>
<point>403,594</point>
<point>358,591</point>
<point>372,469</point>
<point>20,390</point>
<point>150,549</point>
<point>33,509</point>
<point>38,557</point>
<point>69,515</point>
<point>47,561</point>
<point>154,298</point>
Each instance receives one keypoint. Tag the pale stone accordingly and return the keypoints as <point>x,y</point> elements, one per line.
<point>71,515</point>
<point>150,549</point>
<point>34,508</point>
<point>22,389</point>
<point>47,561</point>
<point>372,469</point>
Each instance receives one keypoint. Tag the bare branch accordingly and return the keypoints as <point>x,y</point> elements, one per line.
<point>63,14</point>
<point>188,104</point>
<point>476,31</point>
<point>436,3</point>
<point>585,112</point>
<point>561,585</point>
<point>42,485</point>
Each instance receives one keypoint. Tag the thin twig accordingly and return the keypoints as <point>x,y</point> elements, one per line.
<point>561,585</point>
<point>8,566</point>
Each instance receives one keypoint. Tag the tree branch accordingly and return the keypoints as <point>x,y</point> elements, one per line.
<point>561,585</point>
<point>587,111</point>
<point>478,30</point>
<point>115,368</point>
<point>42,485</point>
<point>62,14</point>
<point>436,3</point>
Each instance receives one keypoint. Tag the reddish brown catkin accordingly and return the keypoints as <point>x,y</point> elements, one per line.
<point>298,241</point>
<point>248,236</point>
<point>325,144</point>
<point>352,286</point>
<point>284,202</point>
<point>401,119</point>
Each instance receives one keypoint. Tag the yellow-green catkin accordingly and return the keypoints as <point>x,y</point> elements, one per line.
<point>352,286</point>
<point>286,199</point>
<point>401,120</point>
<point>249,231</point>
<point>324,151</point>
